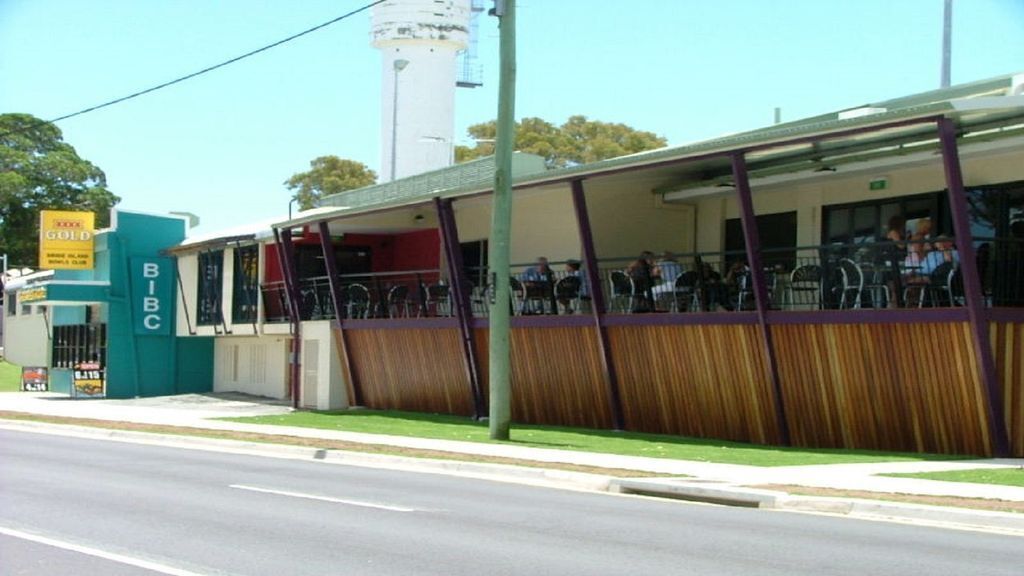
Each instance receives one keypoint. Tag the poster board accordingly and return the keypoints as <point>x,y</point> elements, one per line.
<point>88,381</point>
<point>66,240</point>
<point>35,379</point>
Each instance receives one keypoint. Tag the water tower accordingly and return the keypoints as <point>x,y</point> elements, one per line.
<point>419,42</point>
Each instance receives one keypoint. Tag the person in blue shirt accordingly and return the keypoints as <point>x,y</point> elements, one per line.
<point>944,251</point>
<point>539,272</point>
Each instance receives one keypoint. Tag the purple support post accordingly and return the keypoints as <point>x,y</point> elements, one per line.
<point>460,297</point>
<point>972,286</point>
<point>597,303</point>
<point>331,264</point>
<point>752,242</point>
<point>287,255</point>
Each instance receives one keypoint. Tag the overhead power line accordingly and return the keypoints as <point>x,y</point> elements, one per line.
<point>207,69</point>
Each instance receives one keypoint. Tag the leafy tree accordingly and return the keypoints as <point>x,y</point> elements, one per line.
<point>328,175</point>
<point>38,171</point>
<point>577,141</point>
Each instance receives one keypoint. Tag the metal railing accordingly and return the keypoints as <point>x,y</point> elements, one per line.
<point>872,275</point>
<point>561,289</point>
<point>406,294</point>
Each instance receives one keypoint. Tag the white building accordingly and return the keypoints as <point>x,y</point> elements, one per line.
<point>419,41</point>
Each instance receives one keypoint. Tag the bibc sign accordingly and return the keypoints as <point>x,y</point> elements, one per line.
<point>66,240</point>
<point>152,289</point>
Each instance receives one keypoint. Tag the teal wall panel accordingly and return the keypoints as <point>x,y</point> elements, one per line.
<point>141,360</point>
<point>60,380</point>
<point>195,365</point>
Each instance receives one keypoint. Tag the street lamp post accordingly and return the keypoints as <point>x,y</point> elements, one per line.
<point>399,65</point>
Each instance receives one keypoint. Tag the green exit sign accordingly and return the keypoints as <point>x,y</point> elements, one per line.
<point>878,184</point>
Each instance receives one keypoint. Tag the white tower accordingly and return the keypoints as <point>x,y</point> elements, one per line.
<point>418,41</point>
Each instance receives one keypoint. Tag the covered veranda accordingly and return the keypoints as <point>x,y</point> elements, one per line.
<point>769,362</point>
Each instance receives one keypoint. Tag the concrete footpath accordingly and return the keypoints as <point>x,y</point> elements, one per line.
<point>690,480</point>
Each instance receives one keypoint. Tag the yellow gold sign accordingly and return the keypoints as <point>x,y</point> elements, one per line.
<point>31,295</point>
<point>66,240</point>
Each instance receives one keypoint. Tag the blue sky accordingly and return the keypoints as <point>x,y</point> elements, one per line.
<point>221,145</point>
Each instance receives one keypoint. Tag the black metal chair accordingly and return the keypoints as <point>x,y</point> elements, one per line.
<point>568,293</point>
<point>938,292</point>
<point>623,292</point>
<point>852,284</point>
<point>804,286</point>
<point>685,294</point>
<point>357,301</point>
<point>438,300</point>
<point>536,297</point>
<point>398,301</point>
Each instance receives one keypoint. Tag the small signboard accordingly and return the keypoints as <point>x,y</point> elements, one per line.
<point>35,294</point>
<point>88,381</point>
<point>66,240</point>
<point>34,379</point>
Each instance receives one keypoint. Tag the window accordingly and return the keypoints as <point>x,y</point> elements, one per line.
<point>76,343</point>
<point>211,274</point>
<point>245,291</point>
<point>778,239</point>
<point>474,261</point>
<point>865,222</point>
<point>997,225</point>
<point>12,303</point>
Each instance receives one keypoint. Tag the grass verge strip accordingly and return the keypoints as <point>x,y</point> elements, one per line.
<point>1000,476</point>
<point>447,427</point>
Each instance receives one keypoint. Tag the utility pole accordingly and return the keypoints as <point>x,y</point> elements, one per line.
<point>947,43</point>
<point>500,412</point>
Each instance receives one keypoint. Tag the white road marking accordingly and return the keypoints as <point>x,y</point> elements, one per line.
<point>390,507</point>
<point>89,551</point>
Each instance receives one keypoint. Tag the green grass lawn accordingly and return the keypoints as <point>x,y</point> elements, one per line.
<point>1003,476</point>
<point>585,440</point>
<point>10,377</point>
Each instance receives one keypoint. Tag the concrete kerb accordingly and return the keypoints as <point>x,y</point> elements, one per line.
<point>726,494</point>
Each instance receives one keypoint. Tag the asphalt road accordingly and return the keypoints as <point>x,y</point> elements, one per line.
<point>194,512</point>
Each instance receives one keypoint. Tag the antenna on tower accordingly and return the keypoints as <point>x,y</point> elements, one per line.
<point>470,71</point>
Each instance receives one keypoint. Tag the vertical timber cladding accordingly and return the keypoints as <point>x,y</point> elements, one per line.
<point>1008,351</point>
<point>416,369</point>
<point>907,386</point>
<point>556,376</point>
<point>695,380</point>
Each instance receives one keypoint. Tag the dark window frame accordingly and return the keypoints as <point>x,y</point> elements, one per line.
<point>938,212</point>
<point>245,284</point>
<point>209,291</point>
<point>772,254</point>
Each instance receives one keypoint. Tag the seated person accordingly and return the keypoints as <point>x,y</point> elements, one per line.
<point>537,284</point>
<point>569,293</point>
<point>919,244</point>
<point>539,272</point>
<point>645,276</point>
<point>667,268</point>
<point>572,268</point>
<point>944,251</point>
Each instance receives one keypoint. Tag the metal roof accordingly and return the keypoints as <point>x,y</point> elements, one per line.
<point>975,105</point>
<point>473,173</point>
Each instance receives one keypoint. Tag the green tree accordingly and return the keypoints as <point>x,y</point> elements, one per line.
<point>577,141</point>
<point>39,171</point>
<point>328,175</point>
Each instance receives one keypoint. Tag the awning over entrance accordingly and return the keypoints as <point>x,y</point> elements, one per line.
<point>65,293</point>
